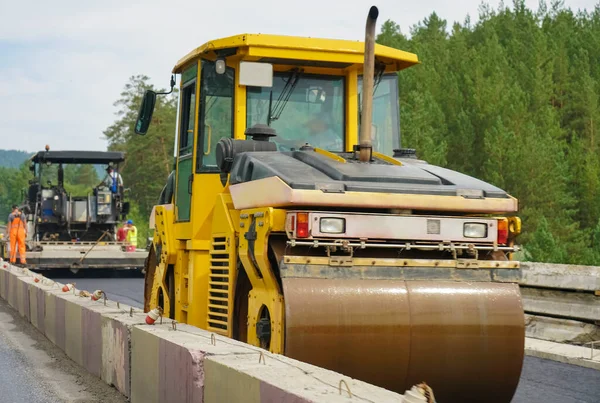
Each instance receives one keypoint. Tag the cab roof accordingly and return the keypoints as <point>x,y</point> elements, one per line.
<point>78,157</point>
<point>294,50</point>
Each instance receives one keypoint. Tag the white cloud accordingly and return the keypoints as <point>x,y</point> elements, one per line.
<point>64,63</point>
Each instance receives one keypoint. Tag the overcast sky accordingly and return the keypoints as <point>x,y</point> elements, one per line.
<point>64,62</point>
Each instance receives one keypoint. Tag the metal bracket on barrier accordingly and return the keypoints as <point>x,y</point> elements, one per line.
<point>347,387</point>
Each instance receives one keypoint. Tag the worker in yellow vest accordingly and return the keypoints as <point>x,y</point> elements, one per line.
<point>131,237</point>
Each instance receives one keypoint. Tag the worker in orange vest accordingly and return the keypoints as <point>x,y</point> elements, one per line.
<point>17,230</point>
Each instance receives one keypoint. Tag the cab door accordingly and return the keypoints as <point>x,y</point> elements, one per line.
<point>215,121</point>
<point>185,176</point>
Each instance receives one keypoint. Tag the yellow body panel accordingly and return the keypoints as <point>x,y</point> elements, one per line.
<point>164,226</point>
<point>167,248</point>
<point>265,288</point>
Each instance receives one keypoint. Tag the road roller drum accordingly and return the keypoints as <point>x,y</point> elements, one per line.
<point>396,333</point>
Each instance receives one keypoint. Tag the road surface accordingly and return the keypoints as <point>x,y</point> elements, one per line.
<point>33,370</point>
<point>542,381</point>
<point>123,286</point>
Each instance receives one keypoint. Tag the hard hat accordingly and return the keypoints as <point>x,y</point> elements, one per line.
<point>129,222</point>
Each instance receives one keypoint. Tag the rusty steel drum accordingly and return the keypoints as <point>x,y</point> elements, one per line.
<point>465,340</point>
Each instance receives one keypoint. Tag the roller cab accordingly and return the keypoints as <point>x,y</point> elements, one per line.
<point>295,222</point>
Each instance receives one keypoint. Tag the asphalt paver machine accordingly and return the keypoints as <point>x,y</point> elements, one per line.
<point>76,231</point>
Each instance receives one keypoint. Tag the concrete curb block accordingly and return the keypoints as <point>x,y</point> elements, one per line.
<point>157,363</point>
<point>562,276</point>
<point>560,330</point>
<point>565,353</point>
<point>182,364</point>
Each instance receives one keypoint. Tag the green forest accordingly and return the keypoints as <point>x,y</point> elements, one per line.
<point>512,99</point>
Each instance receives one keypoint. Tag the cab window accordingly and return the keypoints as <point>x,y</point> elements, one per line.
<point>188,106</point>
<point>385,130</point>
<point>302,109</point>
<point>216,113</point>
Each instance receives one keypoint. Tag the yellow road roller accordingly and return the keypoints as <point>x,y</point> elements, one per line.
<point>297,222</point>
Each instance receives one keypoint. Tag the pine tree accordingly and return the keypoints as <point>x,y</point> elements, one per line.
<point>149,158</point>
<point>543,247</point>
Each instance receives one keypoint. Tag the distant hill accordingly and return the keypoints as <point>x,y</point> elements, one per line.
<point>13,158</point>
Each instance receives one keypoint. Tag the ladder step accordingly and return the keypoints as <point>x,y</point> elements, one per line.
<point>226,260</point>
<point>219,275</point>
<point>220,322</point>
<point>219,299</point>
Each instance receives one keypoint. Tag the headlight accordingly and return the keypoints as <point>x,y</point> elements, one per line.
<point>475,230</point>
<point>332,225</point>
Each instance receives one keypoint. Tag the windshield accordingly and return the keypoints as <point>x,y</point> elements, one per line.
<point>77,179</point>
<point>304,109</point>
<point>385,133</point>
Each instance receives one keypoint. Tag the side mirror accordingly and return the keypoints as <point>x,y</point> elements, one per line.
<point>145,113</point>
<point>315,95</point>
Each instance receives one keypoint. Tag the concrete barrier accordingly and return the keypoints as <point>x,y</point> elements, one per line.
<point>562,301</point>
<point>162,363</point>
<point>560,330</point>
<point>571,305</point>
<point>188,363</point>
<point>560,276</point>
